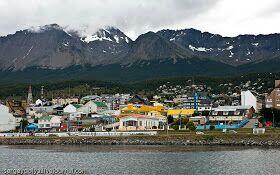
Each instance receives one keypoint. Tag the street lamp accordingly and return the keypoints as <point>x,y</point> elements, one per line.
<point>180,116</point>
<point>180,122</point>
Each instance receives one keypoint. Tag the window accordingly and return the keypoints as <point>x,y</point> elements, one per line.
<point>236,112</point>
<point>131,123</point>
<point>48,125</point>
<point>215,113</point>
<point>140,123</point>
<point>225,113</point>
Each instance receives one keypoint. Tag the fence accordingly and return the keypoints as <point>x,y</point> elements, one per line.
<point>80,134</point>
<point>233,126</point>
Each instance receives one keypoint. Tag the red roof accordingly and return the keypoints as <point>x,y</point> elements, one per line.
<point>138,116</point>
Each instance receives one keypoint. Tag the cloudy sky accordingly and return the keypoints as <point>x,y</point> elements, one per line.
<point>225,17</point>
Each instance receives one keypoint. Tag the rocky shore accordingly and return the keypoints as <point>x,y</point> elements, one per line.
<point>268,140</point>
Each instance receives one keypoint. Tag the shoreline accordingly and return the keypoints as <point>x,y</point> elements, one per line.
<point>265,140</point>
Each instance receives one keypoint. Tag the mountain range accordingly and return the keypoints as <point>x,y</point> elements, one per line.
<point>50,52</point>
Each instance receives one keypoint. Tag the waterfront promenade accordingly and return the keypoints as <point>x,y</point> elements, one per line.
<point>243,137</point>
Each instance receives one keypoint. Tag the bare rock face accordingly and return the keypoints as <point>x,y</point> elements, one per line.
<point>51,47</point>
<point>235,51</point>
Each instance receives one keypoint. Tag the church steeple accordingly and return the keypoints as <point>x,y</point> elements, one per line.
<point>29,96</point>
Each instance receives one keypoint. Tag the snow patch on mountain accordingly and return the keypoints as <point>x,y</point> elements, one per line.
<point>95,37</point>
<point>117,39</point>
<point>248,52</point>
<point>231,54</point>
<point>229,48</point>
<point>199,49</point>
<point>172,39</point>
<point>126,40</point>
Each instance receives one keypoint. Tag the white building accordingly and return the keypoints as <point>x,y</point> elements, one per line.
<point>39,102</point>
<point>204,108</point>
<point>64,101</point>
<point>7,120</point>
<point>72,108</point>
<point>39,109</point>
<point>141,122</point>
<point>248,99</point>
<point>92,107</point>
<point>48,122</point>
<point>75,111</point>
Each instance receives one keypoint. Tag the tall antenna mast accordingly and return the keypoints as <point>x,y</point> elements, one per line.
<point>42,92</point>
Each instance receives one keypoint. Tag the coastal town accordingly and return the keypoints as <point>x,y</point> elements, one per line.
<point>193,108</point>
<point>123,87</point>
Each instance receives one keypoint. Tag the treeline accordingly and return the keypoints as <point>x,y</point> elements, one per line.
<point>262,79</point>
<point>19,91</point>
<point>78,87</point>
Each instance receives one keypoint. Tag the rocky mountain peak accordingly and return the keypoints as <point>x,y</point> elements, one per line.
<point>108,33</point>
<point>50,46</point>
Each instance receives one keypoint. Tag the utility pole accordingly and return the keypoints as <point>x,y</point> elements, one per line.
<point>68,124</point>
<point>21,126</point>
<point>69,90</point>
<point>180,116</point>
<point>167,127</point>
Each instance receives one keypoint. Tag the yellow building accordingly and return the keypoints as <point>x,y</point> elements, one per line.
<point>144,109</point>
<point>175,113</point>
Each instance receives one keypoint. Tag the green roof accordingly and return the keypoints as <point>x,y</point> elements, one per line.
<point>77,105</point>
<point>45,118</point>
<point>100,104</point>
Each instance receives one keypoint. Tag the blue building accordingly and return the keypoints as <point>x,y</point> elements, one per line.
<point>196,100</point>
